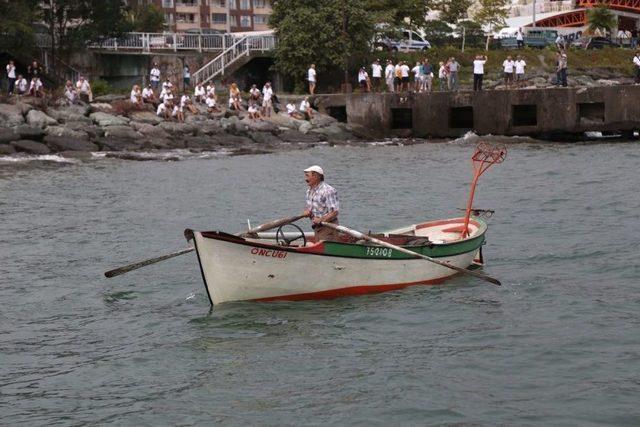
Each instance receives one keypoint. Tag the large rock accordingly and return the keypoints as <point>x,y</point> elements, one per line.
<point>231,140</point>
<point>10,115</point>
<point>176,128</point>
<point>65,132</point>
<point>210,127</point>
<point>31,147</point>
<point>115,144</point>
<point>82,155</point>
<point>264,138</point>
<point>145,117</point>
<point>23,107</point>
<point>109,98</point>
<point>7,135</point>
<point>161,144</point>
<point>57,143</point>
<point>321,120</point>
<point>196,119</point>
<point>105,119</point>
<point>305,127</point>
<point>296,136</point>
<point>6,149</point>
<point>101,107</point>
<point>120,132</point>
<point>260,125</point>
<point>149,131</point>
<point>29,132</point>
<point>202,143</point>
<point>283,120</point>
<point>39,119</point>
<point>90,129</point>
<point>72,113</point>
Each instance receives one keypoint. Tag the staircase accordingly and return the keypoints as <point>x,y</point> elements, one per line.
<point>237,54</point>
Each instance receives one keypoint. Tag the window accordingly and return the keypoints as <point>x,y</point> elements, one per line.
<point>260,4</point>
<point>185,18</point>
<point>168,17</point>
<point>245,5</point>
<point>260,19</point>
<point>232,4</point>
<point>218,18</point>
<point>167,3</point>
<point>218,3</point>
<point>233,21</point>
<point>245,21</point>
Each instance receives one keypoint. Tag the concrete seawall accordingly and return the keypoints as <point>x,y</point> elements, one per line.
<point>534,112</point>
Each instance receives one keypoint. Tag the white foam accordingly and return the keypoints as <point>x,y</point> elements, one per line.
<point>38,158</point>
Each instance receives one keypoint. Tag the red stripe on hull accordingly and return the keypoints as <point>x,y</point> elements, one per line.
<point>352,291</point>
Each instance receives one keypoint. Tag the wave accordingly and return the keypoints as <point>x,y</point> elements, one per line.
<point>38,158</point>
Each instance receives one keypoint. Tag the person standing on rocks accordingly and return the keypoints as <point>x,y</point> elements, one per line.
<point>427,71</point>
<point>34,69</point>
<point>363,79</point>
<point>636,64</point>
<point>520,65</point>
<point>442,75</point>
<point>186,77</point>
<point>404,73</point>
<point>267,99</point>
<point>508,66</point>
<point>84,89</point>
<point>312,78</point>
<point>478,72</point>
<point>376,75</point>
<point>454,67</point>
<point>561,69</point>
<point>11,77</point>
<point>154,76</point>
<point>389,73</point>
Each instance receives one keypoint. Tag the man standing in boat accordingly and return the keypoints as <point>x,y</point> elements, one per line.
<point>322,203</point>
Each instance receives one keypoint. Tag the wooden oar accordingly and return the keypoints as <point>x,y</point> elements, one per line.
<point>140,264</point>
<point>359,235</point>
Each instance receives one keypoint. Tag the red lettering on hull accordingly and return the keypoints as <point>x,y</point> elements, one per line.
<point>269,253</point>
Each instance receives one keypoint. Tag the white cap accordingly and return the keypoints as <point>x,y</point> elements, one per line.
<point>316,169</point>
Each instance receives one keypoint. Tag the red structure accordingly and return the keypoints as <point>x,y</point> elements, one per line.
<point>578,18</point>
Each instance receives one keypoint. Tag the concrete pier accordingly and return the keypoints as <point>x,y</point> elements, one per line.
<point>534,112</point>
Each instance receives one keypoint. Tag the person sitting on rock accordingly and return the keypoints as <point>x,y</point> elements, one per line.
<point>178,113</point>
<point>293,112</point>
<point>211,103</point>
<point>166,84</point>
<point>70,93</point>
<point>167,96</point>
<point>254,111</point>
<point>22,85</point>
<point>185,102</point>
<point>200,94</point>
<point>136,96</point>
<point>163,110</point>
<point>148,97</point>
<point>305,108</point>
<point>36,88</point>
<point>84,89</point>
<point>254,93</point>
<point>211,88</point>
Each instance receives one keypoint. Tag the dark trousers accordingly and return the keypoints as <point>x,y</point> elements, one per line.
<point>637,74</point>
<point>12,85</point>
<point>477,81</point>
<point>561,77</point>
<point>520,44</point>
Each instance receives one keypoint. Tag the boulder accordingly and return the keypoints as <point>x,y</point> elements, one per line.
<point>57,143</point>
<point>105,119</point>
<point>120,132</point>
<point>210,127</point>
<point>23,107</point>
<point>6,149</point>
<point>145,117</point>
<point>72,113</point>
<point>39,119</point>
<point>305,127</point>
<point>90,129</point>
<point>109,98</point>
<point>231,140</point>
<point>333,133</point>
<point>181,129</point>
<point>296,136</point>
<point>283,120</point>
<point>260,126</point>
<point>264,138</point>
<point>161,144</point>
<point>29,132</point>
<point>195,118</point>
<point>7,135</point>
<point>322,120</point>
<point>202,143</point>
<point>31,147</point>
<point>149,131</point>
<point>101,107</point>
<point>115,144</point>
<point>10,115</point>
<point>65,132</point>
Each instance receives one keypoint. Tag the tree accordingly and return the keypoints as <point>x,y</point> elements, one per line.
<point>491,14</point>
<point>147,19</point>
<point>400,13</point>
<point>331,34</point>
<point>452,11</point>
<point>600,17</point>
<point>16,25</point>
<point>438,32</point>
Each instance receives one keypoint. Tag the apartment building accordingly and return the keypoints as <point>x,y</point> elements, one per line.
<point>223,15</point>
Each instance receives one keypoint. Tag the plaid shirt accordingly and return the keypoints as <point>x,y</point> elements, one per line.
<point>322,199</point>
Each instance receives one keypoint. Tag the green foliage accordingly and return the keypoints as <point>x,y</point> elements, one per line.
<point>452,11</point>
<point>100,87</point>
<point>438,32</point>
<point>16,25</point>
<point>492,13</point>
<point>147,19</point>
<point>600,17</point>
<point>313,32</point>
<point>474,35</point>
<point>399,13</point>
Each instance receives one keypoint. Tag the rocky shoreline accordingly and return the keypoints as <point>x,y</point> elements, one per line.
<point>113,125</point>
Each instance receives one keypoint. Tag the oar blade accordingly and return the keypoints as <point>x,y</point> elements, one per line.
<point>136,265</point>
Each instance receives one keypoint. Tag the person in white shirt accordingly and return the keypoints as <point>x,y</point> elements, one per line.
<point>254,93</point>
<point>70,92</point>
<point>509,67</point>
<point>211,103</point>
<point>478,71</point>
<point>136,96</point>
<point>186,77</point>
<point>168,95</point>
<point>163,110</point>
<point>22,85</point>
<point>267,99</point>
<point>11,77</point>
<point>166,84</point>
<point>305,108</point>
<point>148,97</point>
<point>443,76</point>
<point>84,89</point>
<point>376,75</point>
<point>199,93</point>
<point>560,42</point>
<point>36,88</point>
<point>636,64</point>
<point>520,38</point>
<point>154,76</point>
<point>185,102</point>
<point>293,112</point>
<point>389,74</point>
<point>418,80</point>
<point>211,88</point>
<point>363,79</point>
<point>312,78</point>
<point>404,73</point>
<point>254,112</point>
<point>178,113</point>
<point>520,65</point>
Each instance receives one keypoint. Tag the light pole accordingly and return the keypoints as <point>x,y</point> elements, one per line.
<point>534,13</point>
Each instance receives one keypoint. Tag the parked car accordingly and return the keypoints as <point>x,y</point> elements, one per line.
<point>533,37</point>
<point>593,43</point>
<point>409,41</point>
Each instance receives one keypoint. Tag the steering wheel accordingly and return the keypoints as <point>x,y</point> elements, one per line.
<point>283,241</point>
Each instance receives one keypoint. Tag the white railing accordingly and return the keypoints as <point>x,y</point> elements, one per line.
<point>163,42</point>
<point>241,48</point>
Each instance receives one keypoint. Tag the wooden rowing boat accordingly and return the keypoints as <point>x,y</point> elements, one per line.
<point>260,269</point>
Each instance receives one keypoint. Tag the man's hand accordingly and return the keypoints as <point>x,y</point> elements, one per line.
<point>316,220</point>
<point>306,213</point>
